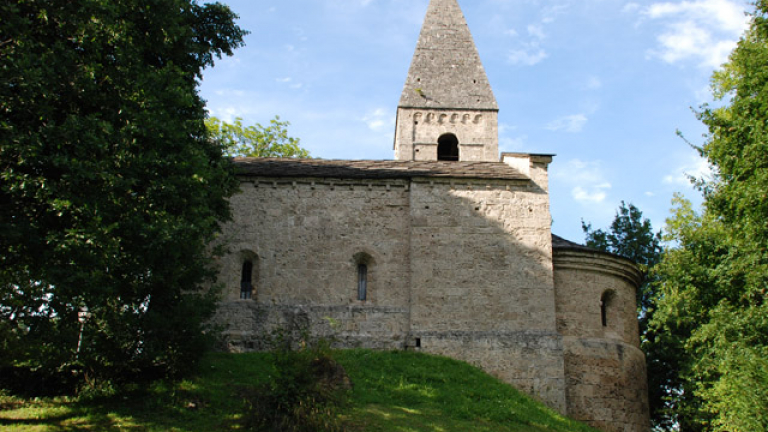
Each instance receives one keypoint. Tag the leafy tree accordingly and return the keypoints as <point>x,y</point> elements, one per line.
<point>712,304</point>
<point>110,189</point>
<point>256,140</point>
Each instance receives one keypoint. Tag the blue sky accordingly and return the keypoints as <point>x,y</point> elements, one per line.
<point>603,84</point>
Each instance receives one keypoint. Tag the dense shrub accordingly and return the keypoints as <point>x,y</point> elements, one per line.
<point>305,392</point>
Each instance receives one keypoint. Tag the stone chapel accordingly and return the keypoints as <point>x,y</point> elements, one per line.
<point>447,249</point>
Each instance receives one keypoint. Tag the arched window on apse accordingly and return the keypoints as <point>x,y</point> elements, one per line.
<point>246,280</point>
<point>605,304</point>
<point>448,148</point>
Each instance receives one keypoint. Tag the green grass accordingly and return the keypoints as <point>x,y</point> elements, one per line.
<point>393,392</point>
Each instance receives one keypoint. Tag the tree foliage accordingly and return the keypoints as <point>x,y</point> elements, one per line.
<point>110,190</point>
<point>711,309</point>
<point>256,140</point>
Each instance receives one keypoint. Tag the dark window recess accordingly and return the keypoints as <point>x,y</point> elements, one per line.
<point>362,282</point>
<point>604,301</point>
<point>448,148</point>
<point>246,281</point>
<point>418,342</point>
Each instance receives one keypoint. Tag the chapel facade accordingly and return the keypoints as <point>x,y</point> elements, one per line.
<point>447,249</point>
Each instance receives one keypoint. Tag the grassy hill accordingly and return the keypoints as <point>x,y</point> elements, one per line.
<point>393,391</point>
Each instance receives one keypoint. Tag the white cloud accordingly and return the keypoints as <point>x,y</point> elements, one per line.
<point>289,81</point>
<point>550,14</point>
<point>571,124</point>
<point>530,52</point>
<point>528,55</point>
<point>380,120</point>
<point>705,31</point>
<point>726,15</point>
<point>695,166</point>
<point>504,128</point>
<point>227,114</point>
<point>536,31</point>
<point>594,83</point>
<point>589,183</point>
<point>229,93</point>
<point>631,7</point>
<point>596,195</point>
<point>508,144</point>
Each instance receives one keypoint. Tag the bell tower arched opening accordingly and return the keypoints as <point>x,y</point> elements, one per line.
<point>448,148</point>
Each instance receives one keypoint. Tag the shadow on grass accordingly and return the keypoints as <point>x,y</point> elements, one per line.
<point>377,418</point>
<point>145,412</point>
<point>405,392</point>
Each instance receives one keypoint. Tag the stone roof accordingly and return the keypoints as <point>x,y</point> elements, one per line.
<point>446,71</point>
<point>373,169</point>
<point>561,243</point>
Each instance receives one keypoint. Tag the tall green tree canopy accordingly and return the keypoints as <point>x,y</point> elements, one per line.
<point>110,189</point>
<point>711,309</point>
<point>256,140</point>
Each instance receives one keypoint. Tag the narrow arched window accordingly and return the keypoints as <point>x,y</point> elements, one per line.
<point>362,282</point>
<point>448,148</point>
<point>246,280</point>
<point>605,301</point>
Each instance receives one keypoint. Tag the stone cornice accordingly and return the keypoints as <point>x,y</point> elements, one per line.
<point>596,261</point>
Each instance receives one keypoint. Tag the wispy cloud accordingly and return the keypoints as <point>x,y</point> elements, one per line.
<point>631,7</point>
<point>696,167</point>
<point>530,52</point>
<point>509,143</point>
<point>594,83</point>
<point>527,55</point>
<point>571,123</point>
<point>705,31</point>
<point>537,31</point>
<point>380,120</point>
<point>289,82</point>
<point>588,180</point>
<point>595,195</point>
<point>550,14</point>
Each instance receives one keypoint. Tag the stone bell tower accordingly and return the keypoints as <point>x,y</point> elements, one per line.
<point>447,110</point>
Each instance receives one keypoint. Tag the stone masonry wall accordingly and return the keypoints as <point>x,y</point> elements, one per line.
<point>481,276</point>
<point>606,384</point>
<point>605,371</point>
<point>419,129</point>
<point>305,238</point>
<point>249,325</point>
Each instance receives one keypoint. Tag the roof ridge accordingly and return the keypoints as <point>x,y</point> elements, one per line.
<point>287,167</point>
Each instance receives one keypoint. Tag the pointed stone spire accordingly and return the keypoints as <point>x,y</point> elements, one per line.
<point>447,111</point>
<point>446,71</point>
